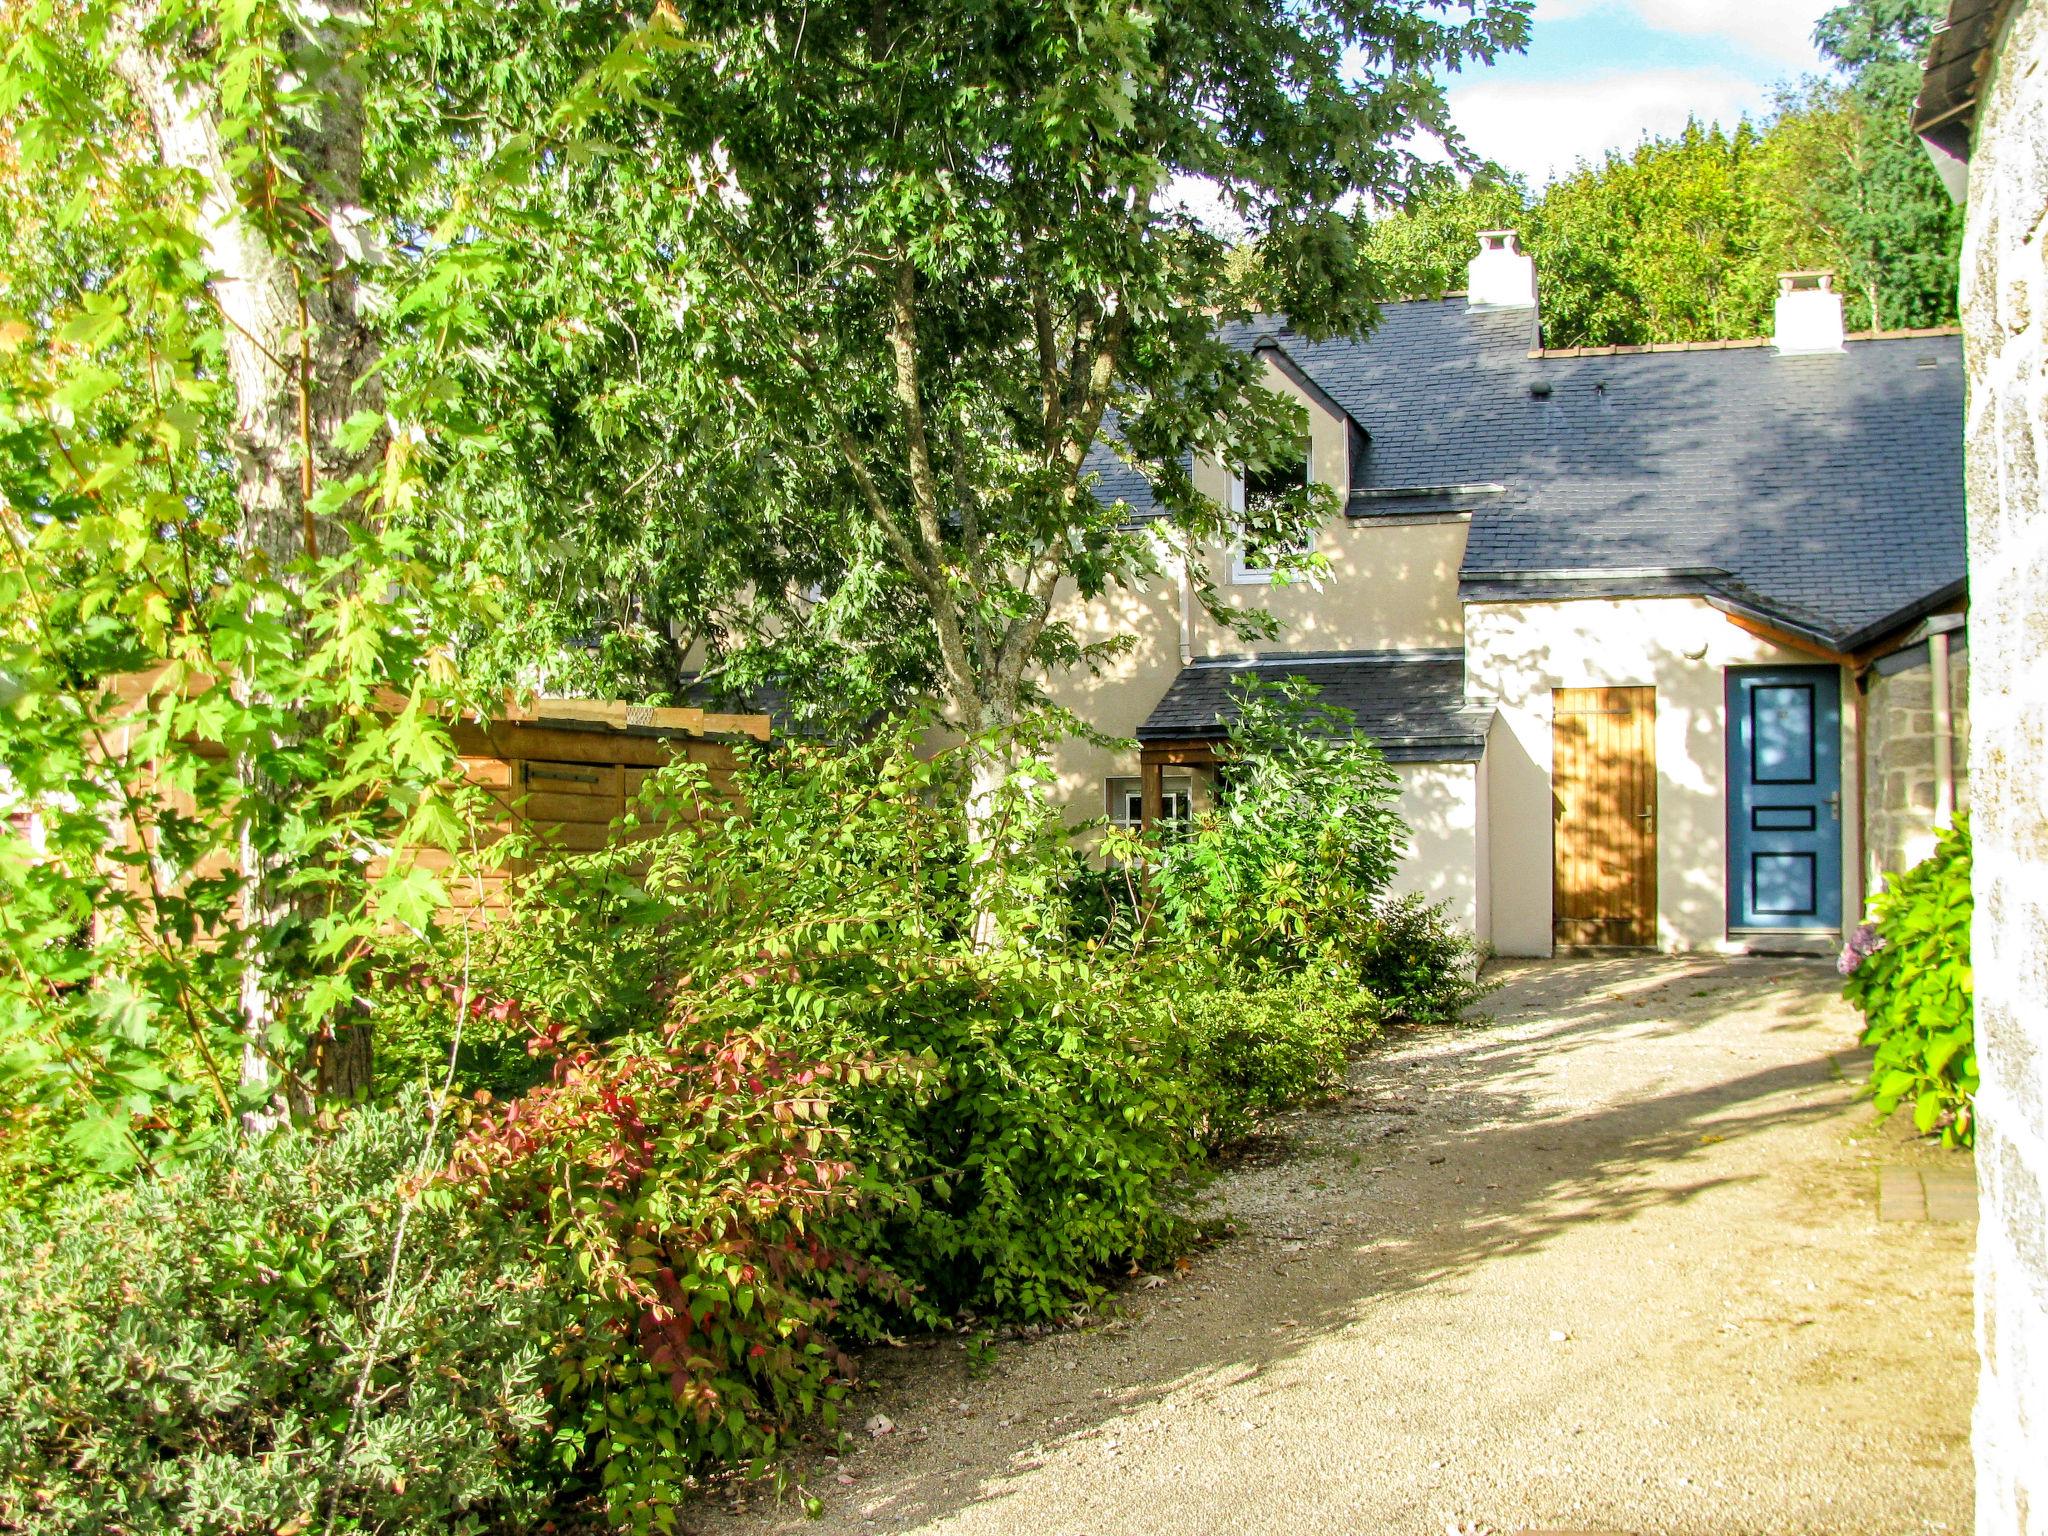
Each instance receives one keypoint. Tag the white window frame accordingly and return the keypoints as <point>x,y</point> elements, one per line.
<point>1125,794</point>
<point>1243,575</point>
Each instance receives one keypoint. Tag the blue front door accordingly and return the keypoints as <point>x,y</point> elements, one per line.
<point>1784,797</point>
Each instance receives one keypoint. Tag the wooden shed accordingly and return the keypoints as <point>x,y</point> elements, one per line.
<point>565,770</point>
<point>562,770</point>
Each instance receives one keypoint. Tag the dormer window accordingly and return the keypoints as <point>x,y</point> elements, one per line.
<point>1254,494</point>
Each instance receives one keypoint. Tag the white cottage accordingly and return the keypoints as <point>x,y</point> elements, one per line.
<point>1665,642</point>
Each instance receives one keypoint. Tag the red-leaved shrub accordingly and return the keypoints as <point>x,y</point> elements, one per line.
<point>688,1187</point>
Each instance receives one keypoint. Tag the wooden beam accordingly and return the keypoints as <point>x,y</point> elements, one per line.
<point>1155,795</point>
<point>133,688</point>
<point>1790,641</point>
<point>555,744</point>
<point>1181,754</point>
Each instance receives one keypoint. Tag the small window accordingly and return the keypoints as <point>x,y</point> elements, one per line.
<point>1252,497</point>
<point>1127,801</point>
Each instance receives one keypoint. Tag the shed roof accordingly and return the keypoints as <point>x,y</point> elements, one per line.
<point>1953,76</point>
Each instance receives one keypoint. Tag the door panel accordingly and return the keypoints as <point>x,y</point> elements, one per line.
<point>1604,778</point>
<point>1784,797</point>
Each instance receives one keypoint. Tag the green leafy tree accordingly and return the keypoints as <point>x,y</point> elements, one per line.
<point>230,285</point>
<point>1657,245</point>
<point>1681,238</point>
<point>1421,251</point>
<point>1898,231</point>
<point>884,279</point>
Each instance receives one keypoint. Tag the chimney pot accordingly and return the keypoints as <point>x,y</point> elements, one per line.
<point>1808,315</point>
<point>1502,275</point>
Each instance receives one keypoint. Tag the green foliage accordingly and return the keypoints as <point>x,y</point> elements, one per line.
<point>378,322</point>
<point>182,1354</point>
<point>813,376</point>
<point>222,668</point>
<point>1288,867</point>
<point>214,836</point>
<point>1682,238</point>
<point>1273,1041</point>
<point>827,905</point>
<point>1418,963</point>
<point>1057,1140</point>
<point>1421,251</point>
<point>1909,971</point>
<point>1878,199</point>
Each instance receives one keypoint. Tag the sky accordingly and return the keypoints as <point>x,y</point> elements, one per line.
<point>1598,74</point>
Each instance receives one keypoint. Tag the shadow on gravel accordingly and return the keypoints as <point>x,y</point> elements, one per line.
<point>1479,1171</point>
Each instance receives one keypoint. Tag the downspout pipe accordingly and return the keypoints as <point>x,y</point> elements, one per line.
<point>1187,612</point>
<point>1944,732</point>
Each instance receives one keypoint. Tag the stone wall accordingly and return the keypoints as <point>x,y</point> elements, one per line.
<point>2005,319</point>
<point>1898,755</point>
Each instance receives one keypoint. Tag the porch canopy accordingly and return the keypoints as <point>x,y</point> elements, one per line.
<point>1411,704</point>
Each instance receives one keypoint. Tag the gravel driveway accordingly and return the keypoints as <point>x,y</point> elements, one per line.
<point>1611,1262</point>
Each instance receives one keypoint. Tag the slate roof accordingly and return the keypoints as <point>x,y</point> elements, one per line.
<point>1823,494</point>
<point>1411,703</point>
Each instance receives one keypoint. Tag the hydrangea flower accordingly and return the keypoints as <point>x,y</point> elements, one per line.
<point>1863,943</point>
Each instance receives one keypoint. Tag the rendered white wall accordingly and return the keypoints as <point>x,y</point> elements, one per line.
<point>1516,653</point>
<point>1441,804</point>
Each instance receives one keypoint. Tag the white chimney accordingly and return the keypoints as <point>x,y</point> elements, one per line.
<point>1500,276</point>
<point>1808,317</point>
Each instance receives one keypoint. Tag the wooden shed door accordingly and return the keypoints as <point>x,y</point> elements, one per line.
<point>1604,779</point>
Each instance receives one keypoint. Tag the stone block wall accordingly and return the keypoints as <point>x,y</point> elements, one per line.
<point>2005,320</point>
<point>1898,756</point>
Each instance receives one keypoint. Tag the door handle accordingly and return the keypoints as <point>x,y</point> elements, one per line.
<point>1835,805</point>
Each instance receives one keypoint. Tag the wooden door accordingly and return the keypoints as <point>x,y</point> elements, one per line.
<point>1604,779</point>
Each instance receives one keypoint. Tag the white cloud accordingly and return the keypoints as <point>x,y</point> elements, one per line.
<point>1776,29</point>
<point>1545,128</point>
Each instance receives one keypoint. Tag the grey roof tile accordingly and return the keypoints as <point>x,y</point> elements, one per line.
<point>1826,491</point>
<point>1412,703</point>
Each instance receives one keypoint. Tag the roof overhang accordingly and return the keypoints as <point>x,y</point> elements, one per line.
<point>1424,727</point>
<point>1899,627</point>
<point>1390,503</point>
<point>1951,82</point>
<point>1206,750</point>
<point>1718,590</point>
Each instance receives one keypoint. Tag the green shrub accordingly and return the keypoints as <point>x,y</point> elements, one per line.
<point>1273,1041</point>
<point>824,907</point>
<point>1290,871</point>
<point>1421,965</point>
<point>1908,969</point>
<point>1286,869</point>
<point>181,1354</point>
<point>1056,1139</point>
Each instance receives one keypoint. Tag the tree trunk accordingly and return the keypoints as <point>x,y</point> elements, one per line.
<point>299,351</point>
<point>300,356</point>
<point>994,763</point>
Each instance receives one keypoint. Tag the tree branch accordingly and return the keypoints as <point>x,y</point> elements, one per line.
<point>1092,401</point>
<point>924,484</point>
<point>1048,360</point>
